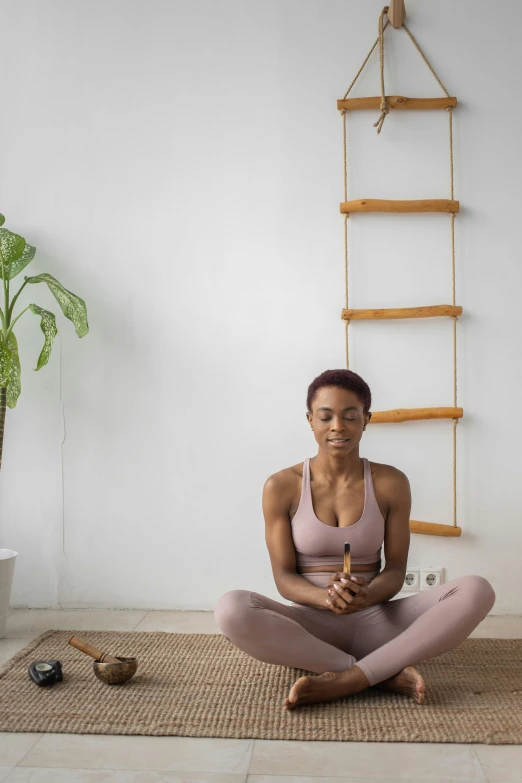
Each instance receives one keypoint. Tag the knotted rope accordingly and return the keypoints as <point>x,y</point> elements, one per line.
<point>384,106</point>
<point>385,109</point>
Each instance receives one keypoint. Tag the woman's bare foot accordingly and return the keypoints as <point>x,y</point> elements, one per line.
<point>407,681</point>
<point>326,687</point>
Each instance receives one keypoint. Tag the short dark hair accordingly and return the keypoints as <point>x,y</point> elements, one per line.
<point>346,379</point>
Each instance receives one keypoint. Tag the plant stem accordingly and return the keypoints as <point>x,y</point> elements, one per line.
<point>6,299</point>
<point>5,319</point>
<point>15,320</point>
<point>3,398</point>
<point>15,297</point>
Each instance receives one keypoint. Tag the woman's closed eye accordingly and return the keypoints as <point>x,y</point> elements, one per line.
<point>347,419</point>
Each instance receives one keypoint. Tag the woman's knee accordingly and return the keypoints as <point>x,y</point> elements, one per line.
<point>232,610</point>
<point>481,589</point>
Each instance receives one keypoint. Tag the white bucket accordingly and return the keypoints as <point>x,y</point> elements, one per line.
<point>7,566</point>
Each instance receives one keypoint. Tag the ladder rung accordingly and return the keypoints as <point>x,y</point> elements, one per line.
<point>401,312</point>
<point>434,528</point>
<point>415,414</point>
<point>396,102</point>
<point>395,205</point>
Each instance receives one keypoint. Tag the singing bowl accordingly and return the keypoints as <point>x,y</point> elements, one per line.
<point>115,672</point>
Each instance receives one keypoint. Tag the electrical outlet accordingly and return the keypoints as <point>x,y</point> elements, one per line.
<point>431,577</point>
<point>411,580</point>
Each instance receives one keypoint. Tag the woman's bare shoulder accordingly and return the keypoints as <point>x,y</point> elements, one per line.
<point>286,479</point>
<point>386,472</point>
<point>389,482</point>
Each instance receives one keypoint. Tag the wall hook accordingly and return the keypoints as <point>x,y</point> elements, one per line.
<point>396,13</point>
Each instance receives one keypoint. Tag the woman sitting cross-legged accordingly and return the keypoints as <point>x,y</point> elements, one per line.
<point>345,627</point>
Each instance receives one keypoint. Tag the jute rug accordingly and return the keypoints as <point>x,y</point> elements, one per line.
<point>200,685</point>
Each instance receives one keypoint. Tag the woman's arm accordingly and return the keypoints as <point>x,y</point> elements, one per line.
<point>278,537</point>
<point>395,488</point>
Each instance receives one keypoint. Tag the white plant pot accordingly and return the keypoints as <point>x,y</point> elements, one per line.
<point>7,566</point>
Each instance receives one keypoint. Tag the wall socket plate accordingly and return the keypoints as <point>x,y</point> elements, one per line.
<point>411,580</point>
<point>431,577</point>
<point>417,579</point>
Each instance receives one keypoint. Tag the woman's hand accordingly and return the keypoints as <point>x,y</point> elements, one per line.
<point>346,594</point>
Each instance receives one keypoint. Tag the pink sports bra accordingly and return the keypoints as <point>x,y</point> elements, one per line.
<point>319,544</point>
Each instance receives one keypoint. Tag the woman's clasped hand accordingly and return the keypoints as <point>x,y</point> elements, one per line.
<point>346,593</point>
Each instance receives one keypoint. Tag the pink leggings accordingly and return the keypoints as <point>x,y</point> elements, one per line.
<point>381,639</point>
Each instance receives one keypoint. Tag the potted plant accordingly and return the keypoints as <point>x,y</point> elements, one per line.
<point>15,255</point>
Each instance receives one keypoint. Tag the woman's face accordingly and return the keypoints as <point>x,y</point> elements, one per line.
<point>337,414</point>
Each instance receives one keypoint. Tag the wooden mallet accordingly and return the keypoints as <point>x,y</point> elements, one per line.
<point>106,667</point>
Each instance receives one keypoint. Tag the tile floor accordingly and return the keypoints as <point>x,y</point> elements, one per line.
<point>96,758</point>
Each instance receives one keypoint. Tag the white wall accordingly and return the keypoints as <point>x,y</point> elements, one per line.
<point>179,166</point>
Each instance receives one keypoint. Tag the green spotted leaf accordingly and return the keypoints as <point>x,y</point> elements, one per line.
<point>5,363</point>
<point>12,247</point>
<point>2,219</point>
<point>72,306</point>
<point>16,266</point>
<point>14,386</point>
<point>48,325</point>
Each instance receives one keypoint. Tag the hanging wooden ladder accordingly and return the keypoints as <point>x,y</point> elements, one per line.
<point>396,15</point>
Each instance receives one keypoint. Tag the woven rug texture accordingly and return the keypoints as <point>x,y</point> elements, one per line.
<point>200,685</point>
